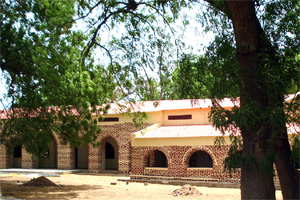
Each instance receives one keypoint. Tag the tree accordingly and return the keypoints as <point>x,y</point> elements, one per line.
<point>260,74</point>
<point>261,117</point>
<point>50,87</point>
<point>259,65</point>
<point>261,69</point>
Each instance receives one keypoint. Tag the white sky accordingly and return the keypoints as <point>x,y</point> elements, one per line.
<point>2,90</point>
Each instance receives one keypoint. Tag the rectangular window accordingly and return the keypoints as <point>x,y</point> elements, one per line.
<point>179,117</point>
<point>110,119</point>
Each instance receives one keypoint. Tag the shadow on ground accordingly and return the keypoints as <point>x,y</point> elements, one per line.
<point>14,190</point>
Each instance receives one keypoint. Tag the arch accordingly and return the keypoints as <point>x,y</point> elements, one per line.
<point>82,156</point>
<point>16,157</point>
<point>110,154</point>
<point>191,151</point>
<point>155,158</point>
<point>49,160</point>
<point>200,159</point>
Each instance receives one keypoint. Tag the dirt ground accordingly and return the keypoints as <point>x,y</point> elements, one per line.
<point>79,186</point>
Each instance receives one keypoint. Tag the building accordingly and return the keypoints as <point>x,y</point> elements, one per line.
<point>175,143</point>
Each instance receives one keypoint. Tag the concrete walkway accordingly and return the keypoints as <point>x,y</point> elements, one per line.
<point>41,172</point>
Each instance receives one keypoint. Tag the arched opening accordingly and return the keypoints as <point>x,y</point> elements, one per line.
<point>16,157</point>
<point>49,160</point>
<point>110,154</point>
<point>82,157</point>
<point>156,159</point>
<point>201,159</point>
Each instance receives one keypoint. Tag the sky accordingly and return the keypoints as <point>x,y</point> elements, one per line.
<point>2,90</point>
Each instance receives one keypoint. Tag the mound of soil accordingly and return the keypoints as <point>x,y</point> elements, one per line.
<point>186,190</point>
<point>41,181</point>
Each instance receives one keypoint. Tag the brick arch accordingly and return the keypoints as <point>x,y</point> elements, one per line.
<point>113,141</point>
<point>192,150</point>
<point>152,151</point>
<point>55,137</point>
<point>103,139</point>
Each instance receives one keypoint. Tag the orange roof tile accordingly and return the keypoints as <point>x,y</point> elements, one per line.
<point>152,106</point>
<point>204,130</point>
<point>179,131</point>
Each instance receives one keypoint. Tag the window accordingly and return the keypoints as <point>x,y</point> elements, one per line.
<point>179,117</point>
<point>201,159</point>
<point>18,152</point>
<point>109,151</point>
<point>160,159</point>
<point>109,119</point>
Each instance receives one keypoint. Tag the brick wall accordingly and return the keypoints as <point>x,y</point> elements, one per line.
<point>121,134</point>
<point>65,157</point>
<point>178,163</point>
<point>137,160</point>
<point>27,160</point>
<point>4,157</point>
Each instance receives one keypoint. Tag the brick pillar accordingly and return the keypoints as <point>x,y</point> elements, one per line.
<point>152,159</point>
<point>94,159</point>
<point>124,159</point>
<point>176,168</point>
<point>27,160</point>
<point>138,161</point>
<point>4,157</point>
<point>65,157</point>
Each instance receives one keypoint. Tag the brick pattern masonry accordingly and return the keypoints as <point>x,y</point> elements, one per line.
<point>133,160</point>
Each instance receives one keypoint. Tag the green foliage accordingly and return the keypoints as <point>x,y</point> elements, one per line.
<point>235,157</point>
<point>138,118</point>
<point>295,157</point>
<point>276,75</point>
<point>214,75</point>
<point>191,78</point>
<point>219,141</point>
<point>51,89</point>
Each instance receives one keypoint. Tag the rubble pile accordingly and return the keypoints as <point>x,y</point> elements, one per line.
<point>186,190</point>
<point>41,181</point>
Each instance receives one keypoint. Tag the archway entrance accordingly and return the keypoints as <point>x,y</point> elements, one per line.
<point>16,157</point>
<point>201,159</point>
<point>110,154</point>
<point>82,157</point>
<point>49,160</point>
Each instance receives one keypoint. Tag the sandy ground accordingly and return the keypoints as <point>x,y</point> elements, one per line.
<point>78,186</point>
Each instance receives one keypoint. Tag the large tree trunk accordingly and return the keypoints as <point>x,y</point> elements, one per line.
<point>261,141</point>
<point>256,181</point>
<point>288,176</point>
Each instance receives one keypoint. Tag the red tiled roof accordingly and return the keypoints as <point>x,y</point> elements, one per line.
<point>206,130</point>
<point>18,112</point>
<point>160,105</point>
<point>152,106</point>
<point>178,131</point>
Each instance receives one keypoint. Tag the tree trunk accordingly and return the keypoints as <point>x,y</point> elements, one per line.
<point>261,146</point>
<point>263,143</point>
<point>256,179</point>
<point>288,176</point>
<point>255,182</point>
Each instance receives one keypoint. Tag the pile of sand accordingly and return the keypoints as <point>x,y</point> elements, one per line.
<point>40,182</point>
<point>186,190</point>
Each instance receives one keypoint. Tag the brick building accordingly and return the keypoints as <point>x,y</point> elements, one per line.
<point>176,142</point>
